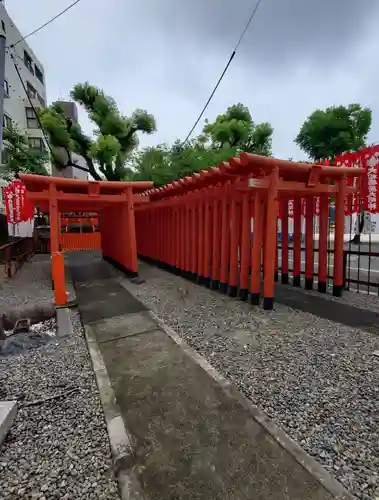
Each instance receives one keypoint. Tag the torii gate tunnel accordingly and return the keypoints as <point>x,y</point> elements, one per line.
<point>201,226</point>
<point>217,227</point>
<point>113,201</point>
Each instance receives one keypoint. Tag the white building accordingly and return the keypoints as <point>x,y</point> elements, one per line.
<point>70,111</point>
<point>17,108</point>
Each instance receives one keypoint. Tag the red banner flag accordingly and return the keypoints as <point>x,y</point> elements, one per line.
<point>18,207</point>
<point>350,160</point>
<point>370,160</point>
<point>8,198</point>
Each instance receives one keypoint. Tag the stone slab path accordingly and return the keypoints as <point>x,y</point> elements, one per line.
<point>193,435</point>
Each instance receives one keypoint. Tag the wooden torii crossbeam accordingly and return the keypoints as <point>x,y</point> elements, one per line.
<point>113,201</point>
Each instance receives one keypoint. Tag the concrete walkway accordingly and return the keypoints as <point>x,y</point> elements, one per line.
<point>193,436</point>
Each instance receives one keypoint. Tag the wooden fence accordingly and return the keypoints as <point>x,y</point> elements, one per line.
<point>80,241</point>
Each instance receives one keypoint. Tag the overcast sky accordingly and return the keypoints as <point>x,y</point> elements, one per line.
<point>166,55</point>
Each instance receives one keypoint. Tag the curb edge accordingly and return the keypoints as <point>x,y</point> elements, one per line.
<point>119,438</point>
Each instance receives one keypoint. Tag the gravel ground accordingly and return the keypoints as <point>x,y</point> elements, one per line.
<point>30,286</point>
<point>318,380</point>
<point>361,299</point>
<point>351,297</point>
<point>57,449</point>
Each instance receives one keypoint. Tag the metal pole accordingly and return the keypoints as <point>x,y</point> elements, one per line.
<point>2,77</point>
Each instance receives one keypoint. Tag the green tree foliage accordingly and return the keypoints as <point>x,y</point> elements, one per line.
<point>20,158</point>
<point>163,164</point>
<point>116,135</point>
<point>231,132</point>
<point>235,128</point>
<point>327,133</point>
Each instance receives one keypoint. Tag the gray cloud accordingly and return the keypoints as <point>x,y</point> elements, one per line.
<point>166,56</point>
<point>283,32</point>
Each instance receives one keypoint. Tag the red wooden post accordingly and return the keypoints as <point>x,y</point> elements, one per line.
<point>132,244</point>
<point>200,260</point>
<point>245,248</point>
<point>256,251</point>
<point>233,262</point>
<point>157,234</point>
<point>167,237</point>
<point>181,237</point>
<point>151,241</point>
<point>323,244</point>
<point>177,238</point>
<point>276,250</point>
<point>284,251</point>
<point>59,231</point>
<point>216,243</point>
<point>207,244</point>
<point>162,235</point>
<point>271,236</point>
<point>187,239</point>
<point>338,238</point>
<point>194,234</point>
<point>57,258</point>
<point>225,248</point>
<point>157,244</point>
<point>297,242</point>
<point>309,242</point>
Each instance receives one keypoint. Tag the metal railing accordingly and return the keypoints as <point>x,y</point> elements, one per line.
<point>361,270</point>
<point>14,254</point>
<point>360,264</point>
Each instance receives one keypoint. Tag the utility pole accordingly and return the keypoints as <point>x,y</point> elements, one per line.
<point>2,77</point>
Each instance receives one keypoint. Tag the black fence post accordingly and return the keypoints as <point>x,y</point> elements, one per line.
<point>344,269</point>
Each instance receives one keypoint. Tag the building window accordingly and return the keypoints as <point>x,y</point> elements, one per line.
<point>32,93</point>
<point>31,119</point>
<point>39,73</point>
<point>41,101</point>
<point>4,157</point>
<point>28,61</point>
<point>36,143</point>
<point>3,26</point>
<point>6,88</point>
<point>7,121</point>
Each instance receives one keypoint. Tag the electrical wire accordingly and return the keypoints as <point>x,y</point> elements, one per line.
<point>38,119</point>
<point>46,23</point>
<point>224,71</point>
<point>31,104</point>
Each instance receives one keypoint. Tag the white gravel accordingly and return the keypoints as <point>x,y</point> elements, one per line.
<point>57,449</point>
<point>318,380</point>
<point>356,298</point>
<point>31,285</point>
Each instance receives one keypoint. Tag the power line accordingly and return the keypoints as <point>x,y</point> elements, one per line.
<point>46,24</point>
<point>247,25</point>
<point>31,104</point>
<point>224,71</point>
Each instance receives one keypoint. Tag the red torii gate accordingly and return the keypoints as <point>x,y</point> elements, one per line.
<point>200,226</point>
<point>114,201</point>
